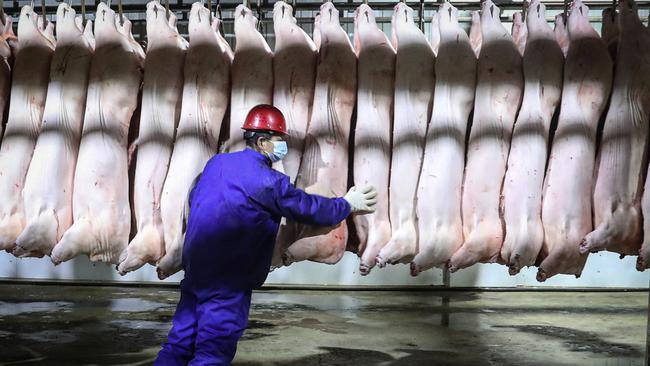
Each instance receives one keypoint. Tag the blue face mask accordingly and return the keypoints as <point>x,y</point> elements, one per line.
<point>280,150</point>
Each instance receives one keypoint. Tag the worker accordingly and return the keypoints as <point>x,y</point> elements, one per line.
<point>235,209</point>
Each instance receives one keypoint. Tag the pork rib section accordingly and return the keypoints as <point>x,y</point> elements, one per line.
<point>566,205</point>
<point>48,207</point>
<point>28,92</point>
<point>159,114</point>
<point>294,73</point>
<point>621,161</point>
<point>252,74</point>
<point>414,85</point>
<point>100,199</point>
<point>522,187</point>
<point>206,91</point>
<point>376,86</point>
<point>498,95</point>
<point>324,164</point>
<point>440,185</point>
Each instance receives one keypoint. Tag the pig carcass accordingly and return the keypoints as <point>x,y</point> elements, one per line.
<point>324,165</point>
<point>621,161</point>
<point>522,186</point>
<point>376,86</point>
<point>48,207</point>
<point>499,89</point>
<point>252,75</point>
<point>566,204</point>
<point>414,85</point>
<point>294,73</point>
<point>100,198</point>
<point>440,184</point>
<point>206,91</point>
<point>28,91</point>
<point>160,110</point>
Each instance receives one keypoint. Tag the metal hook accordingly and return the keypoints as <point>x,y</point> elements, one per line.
<point>218,14</point>
<point>613,10</point>
<point>119,9</point>
<point>210,10</point>
<point>43,14</point>
<point>421,15</point>
<point>524,10</point>
<point>260,16</point>
<point>83,12</point>
<point>167,9</point>
<point>566,11</point>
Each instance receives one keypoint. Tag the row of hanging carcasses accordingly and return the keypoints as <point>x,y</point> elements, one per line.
<point>449,195</point>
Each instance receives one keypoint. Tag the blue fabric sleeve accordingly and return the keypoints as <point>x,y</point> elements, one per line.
<point>297,205</point>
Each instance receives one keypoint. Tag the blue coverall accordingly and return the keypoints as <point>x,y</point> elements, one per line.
<point>235,212</point>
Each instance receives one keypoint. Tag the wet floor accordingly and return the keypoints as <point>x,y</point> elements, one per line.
<point>92,325</point>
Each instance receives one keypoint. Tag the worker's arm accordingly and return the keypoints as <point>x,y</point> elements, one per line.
<point>297,205</point>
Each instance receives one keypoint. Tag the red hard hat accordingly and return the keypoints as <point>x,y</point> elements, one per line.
<point>264,117</point>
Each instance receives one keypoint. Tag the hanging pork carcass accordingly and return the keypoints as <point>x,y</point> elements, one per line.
<point>522,187</point>
<point>100,198</point>
<point>252,74</point>
<point>324,165</point>
<point>294,75</point>
<point>27,102</point>
<point>206,91</point>
<point>414,85</point>
<point>440,224</point>
<point>622,154</point>
<point>499,89</point>
<point>567,195</point>
<point>375,94</point>
<point>160,110</point>
<point>48,207</point>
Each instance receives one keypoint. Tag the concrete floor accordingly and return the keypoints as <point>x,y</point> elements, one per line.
<point>92,325</point>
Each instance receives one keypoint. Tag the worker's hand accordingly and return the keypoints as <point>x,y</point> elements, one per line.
<point>362,199</point>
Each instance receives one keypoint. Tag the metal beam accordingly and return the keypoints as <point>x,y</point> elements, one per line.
<point>178,6</point>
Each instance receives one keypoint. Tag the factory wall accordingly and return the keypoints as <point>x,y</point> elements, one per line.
<point>602,270</point>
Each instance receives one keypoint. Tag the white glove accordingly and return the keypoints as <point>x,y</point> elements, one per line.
<point>362,200</point>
